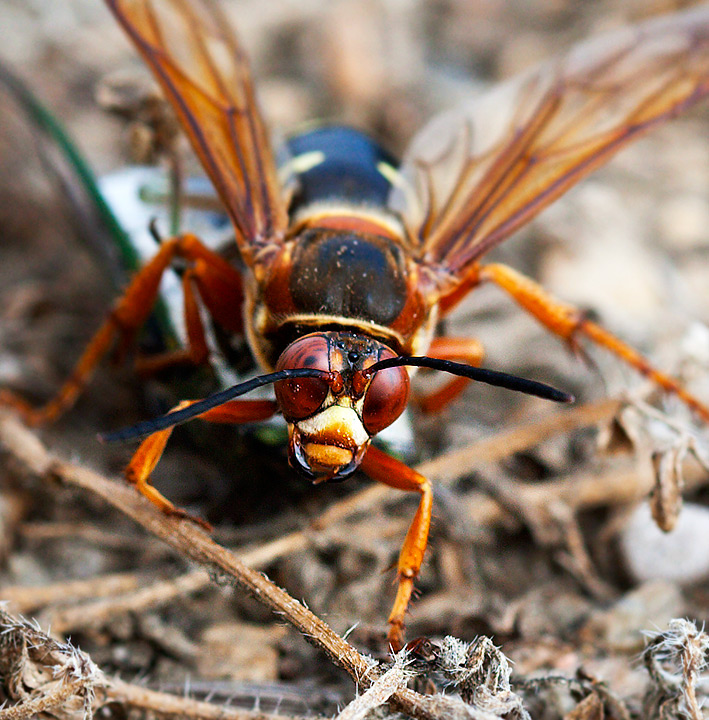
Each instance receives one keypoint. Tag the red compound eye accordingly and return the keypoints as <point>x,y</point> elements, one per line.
<point>301,397</point>
<point>386,399</point>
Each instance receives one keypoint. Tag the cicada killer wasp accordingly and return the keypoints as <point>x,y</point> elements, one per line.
<point>350,259</point>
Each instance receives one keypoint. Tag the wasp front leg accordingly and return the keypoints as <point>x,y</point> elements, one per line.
<point>385,469</point>
<point>148,454</point>
<point>569,323</point>
<point>465,350</point>
<point>219,287</point>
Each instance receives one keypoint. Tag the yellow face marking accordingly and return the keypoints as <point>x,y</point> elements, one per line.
<point>327,455</point>
<point>334,424</point>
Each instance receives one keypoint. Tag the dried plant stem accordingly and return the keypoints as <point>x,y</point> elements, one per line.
<point>693,659</point>
<point>193,543</point>
<point>43,531</point>
<point>392,680</point>
<point>166,705</point>
<point>25,599</point>
<point>99,612</point>
<point>448,467</point>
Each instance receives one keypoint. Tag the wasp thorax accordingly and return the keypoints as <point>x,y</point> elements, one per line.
<point>331,419</point>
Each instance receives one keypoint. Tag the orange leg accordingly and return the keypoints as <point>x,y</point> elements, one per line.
<point>568,322</point>
<point>445,348</point>
<point>385,469</point>
<point>461,289</point>
<point>218,283</point>
<point>196,352</point>
<point>148,454</point>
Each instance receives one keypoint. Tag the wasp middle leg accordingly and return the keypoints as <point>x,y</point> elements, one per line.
<point>569,323</point>
<point>219,287</point>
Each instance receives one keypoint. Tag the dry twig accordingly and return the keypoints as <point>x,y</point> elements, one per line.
<point>392,680</point>
<point>193,543</point>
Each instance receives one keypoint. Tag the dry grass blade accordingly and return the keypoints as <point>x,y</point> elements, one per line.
<point>184,708</point>
<point>25,599</point>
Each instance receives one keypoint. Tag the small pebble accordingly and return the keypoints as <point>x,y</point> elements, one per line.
<point>679,556</point>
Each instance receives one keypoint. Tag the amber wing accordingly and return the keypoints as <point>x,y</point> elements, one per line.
<point>204,73</point>
<point>474,175</point>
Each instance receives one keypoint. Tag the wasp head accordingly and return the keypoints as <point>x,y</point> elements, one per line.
<point>332,418</point>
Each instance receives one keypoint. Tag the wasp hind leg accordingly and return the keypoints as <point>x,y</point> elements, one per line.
<point>385,469</point>
<point>219,286</point>
<point>569,323</point>
<point>148,454</point>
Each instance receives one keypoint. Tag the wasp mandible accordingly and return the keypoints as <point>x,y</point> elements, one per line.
<point>349,259</point>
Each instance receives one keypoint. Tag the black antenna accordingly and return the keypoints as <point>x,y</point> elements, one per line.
<point>147,427</point>
<point>490,377</point>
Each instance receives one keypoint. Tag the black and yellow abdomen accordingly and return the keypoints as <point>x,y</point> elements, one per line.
<point>344,265</point>
<point>340,164</point>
